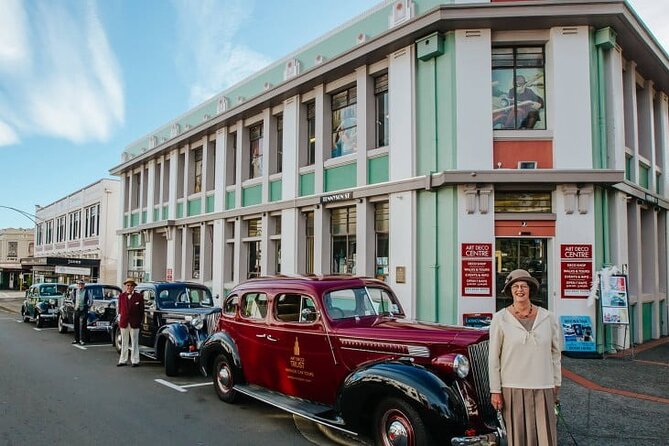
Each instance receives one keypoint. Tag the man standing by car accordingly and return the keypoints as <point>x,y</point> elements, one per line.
<point>81,304</point>
<point>131,313</point>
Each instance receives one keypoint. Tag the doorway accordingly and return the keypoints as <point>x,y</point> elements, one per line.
<point>529,254</point>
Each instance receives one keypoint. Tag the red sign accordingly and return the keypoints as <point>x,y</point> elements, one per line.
<point>168,275</point>
<point>469,250</point>
<point>477,277</point>
<point>576,270</point>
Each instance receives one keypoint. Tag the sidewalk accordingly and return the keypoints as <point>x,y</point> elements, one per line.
<point>11,301</point>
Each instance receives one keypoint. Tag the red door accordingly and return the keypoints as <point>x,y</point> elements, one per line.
<point>252,339</point>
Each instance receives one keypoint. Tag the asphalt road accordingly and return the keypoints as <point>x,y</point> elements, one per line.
<point>52,392</point>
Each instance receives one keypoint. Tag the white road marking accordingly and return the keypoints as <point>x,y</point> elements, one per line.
<point>170,385</point>
<point>197,385</point>
<point>80,347</point>
<point>98,345</point>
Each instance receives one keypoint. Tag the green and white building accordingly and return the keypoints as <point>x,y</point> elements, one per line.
<point>437,146</point>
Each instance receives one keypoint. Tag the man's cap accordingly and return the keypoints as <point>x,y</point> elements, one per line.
<point>81,282</point>
<point>130,280</point>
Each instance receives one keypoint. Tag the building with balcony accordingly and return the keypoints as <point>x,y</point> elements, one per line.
<point>15,244</point>
<point>75,237</point>
<point>434,146</point>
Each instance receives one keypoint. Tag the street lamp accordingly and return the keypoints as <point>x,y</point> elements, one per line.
<point>27,215</point>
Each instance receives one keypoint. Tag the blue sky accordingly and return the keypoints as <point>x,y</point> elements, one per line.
<point>81,79</point>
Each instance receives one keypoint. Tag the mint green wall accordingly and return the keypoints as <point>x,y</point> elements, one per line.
<point>643,176</point>
<point>251,195</point>
<point>209,207</point>
<point>180,210</point>
<point>194,207</point>
<point>377,170</point>
<point>134,219</point>
<point>156,215</point>
<point>144,217</point>
<point>230,200</point>
<point>341,177</point>
<point>166,212</point>
<point>126,221</point>
<point>436,212</point>
<point>307,181</point>
<point>275,190</point>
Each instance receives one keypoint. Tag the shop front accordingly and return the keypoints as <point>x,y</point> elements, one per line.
<point>61,269</point>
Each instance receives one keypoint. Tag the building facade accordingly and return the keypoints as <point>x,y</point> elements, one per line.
<point>75,237</point>
<point>15,244</point>
<point>434,146</point>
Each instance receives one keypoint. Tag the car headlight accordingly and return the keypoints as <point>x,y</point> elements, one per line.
<point>52,301</point>
<point>452,364</point>
<point>197,322</point>
<point>461,366</point>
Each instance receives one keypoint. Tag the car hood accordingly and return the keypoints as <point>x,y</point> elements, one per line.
<point>408,331</point>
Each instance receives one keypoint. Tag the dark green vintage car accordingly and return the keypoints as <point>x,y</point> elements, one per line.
<point>42,302</point>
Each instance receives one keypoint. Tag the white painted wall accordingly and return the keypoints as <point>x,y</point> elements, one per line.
<point>401,82</point>
<point>402,248</point>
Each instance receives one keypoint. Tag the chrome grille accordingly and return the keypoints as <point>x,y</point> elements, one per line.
<point>211,321</point>
<point>478,358</point>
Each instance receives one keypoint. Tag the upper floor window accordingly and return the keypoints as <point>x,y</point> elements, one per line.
<point>12,250</point>
<point>311,133</point>
<point>382,116</point>
<point>231,160</point>
<point>279,143</point>
<point>60,229</point>
<point>344,122</point>
<point>523,201</point>
<point>38,236</point>
<point>92,221</point>
<point>75,219</point>
<point>518,88</point>
<point>49,232</point>
<point>195,237</point>
<point>197,170</point>
<point>255,151</point>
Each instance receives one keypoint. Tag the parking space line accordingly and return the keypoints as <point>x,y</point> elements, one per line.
<point>80,347</point>
<point>196,385</point>
<point>170,385</point>
<point>44,329</point>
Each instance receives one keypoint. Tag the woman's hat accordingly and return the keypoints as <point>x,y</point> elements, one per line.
<point>518,275</point>
<point>130,280</point>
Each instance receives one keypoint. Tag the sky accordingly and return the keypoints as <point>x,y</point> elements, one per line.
<point>81,79</point>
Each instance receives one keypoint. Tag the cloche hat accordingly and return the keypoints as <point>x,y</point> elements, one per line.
<point>516,275</point>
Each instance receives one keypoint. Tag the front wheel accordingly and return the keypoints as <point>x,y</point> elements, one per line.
<point>225,376</point>
<point>171,359</point>
<point>39,321</point>
<point>116,337</point>
<point>24,314</point>
<point>396,422</point>
<point>61,327</point>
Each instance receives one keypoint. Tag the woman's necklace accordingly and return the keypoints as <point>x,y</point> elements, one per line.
<point>519,314</point>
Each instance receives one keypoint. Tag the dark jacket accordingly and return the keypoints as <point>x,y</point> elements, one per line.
<point>130,310</point>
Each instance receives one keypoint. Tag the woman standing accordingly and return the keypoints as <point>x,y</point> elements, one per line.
<point>524,365</point>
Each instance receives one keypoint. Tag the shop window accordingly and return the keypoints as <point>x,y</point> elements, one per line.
<point>381,229</point>
<point>529,254</point>
<point>309,254</point>
<point>195,234</point>
<point>344,123</point>
<point>518,88</point>
<point>311,133</point>
<point>523,201</point>
<point>255,151</point>
<point>342,225</point>
<point>382,111</point>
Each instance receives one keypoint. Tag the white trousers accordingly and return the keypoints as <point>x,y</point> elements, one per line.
<point>133,334</point>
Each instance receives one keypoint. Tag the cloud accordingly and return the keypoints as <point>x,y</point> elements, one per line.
<point>64,80</point>
<point>7,135</point>
<point>208,56</point>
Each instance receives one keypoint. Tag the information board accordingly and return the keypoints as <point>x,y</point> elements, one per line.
<point>615,302</point>
<point>578,334</point>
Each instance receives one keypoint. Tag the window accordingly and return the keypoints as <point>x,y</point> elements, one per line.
<point>60,229</point>
<point>49,232</point>
<point>197,170</point>
<point>39,234</point>
<point>344,123</point>
<point>255,151</point>
<point>382,111</point>
<point>381,229</point>
<point>12,250</point>
<point>518,88</point>
<point>75,219</point>
<point>196,253</point>
<point>136,263</point>
<point>92,221</point>
<point>342,224</point>
<point>311,133</point>
<point>254,249</point>
<point>295,308</point>
<point>276,242</point>
<point>279,143</point>
<point>254,306</point>
<point>231,162</point>
<point>522,201</point>
<point>309,254</point>
<point>230,305</point>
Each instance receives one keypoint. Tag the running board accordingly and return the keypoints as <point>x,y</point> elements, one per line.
<point>318,413</point>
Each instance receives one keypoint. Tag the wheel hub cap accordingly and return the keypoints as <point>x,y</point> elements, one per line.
<point>398,434</point>
<point>224,376</point>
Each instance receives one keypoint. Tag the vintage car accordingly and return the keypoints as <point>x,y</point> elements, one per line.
<point>339,351</point>
<point>101,313</point>
<point>42,301</point>
<point>178,318</point>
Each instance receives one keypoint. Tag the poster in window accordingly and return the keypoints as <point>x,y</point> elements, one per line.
<point>518,98</point>
<point>614,298</point>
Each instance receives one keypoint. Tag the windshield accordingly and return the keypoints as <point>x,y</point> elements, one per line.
<point>52,290</point>
<point>185,297</point>
<point>357,302</point>
<point>104,292</point>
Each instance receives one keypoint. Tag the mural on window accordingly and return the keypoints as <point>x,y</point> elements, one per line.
<point>344,123</point>
<point>518,88</point>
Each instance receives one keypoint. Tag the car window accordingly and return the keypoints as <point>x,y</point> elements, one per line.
<point>358,302</point>
<point>254,306</point>
<point>109,293</point>
<point>295,308</point>
<point>383,302</point>
<point>199,296</point>
<point>51,290</point>
<point>166,299</point>
<point>149,297</point>
<point>95,292</point>
<point>230,305</point>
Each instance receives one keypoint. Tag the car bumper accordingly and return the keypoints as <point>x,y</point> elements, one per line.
<point>48,315</point>
<point>99,328</point>
<point>479,440</point>
<point>189,355</point>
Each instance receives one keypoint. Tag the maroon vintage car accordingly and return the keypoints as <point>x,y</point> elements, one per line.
<point>339,351</point>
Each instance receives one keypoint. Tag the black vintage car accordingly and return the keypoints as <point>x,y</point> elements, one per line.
<point>178,317</point>
<point>42,301</point>
<point>101,313</point>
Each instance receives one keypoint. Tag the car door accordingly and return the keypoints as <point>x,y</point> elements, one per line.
<point>299,354</point>
<point>252,339</point>
<point>151,321</point>
<point>67,309</point>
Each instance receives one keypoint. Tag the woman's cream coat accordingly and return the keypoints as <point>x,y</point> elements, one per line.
<point>524,359</point>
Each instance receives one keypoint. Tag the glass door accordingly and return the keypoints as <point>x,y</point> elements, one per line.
<point>527,253</point>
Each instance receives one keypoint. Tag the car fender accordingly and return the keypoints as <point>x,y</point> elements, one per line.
<point>217,343</point>
<point>176,333</point>
<point>439,404</point>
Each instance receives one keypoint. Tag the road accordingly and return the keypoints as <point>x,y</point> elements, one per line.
<point>53,392</point>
